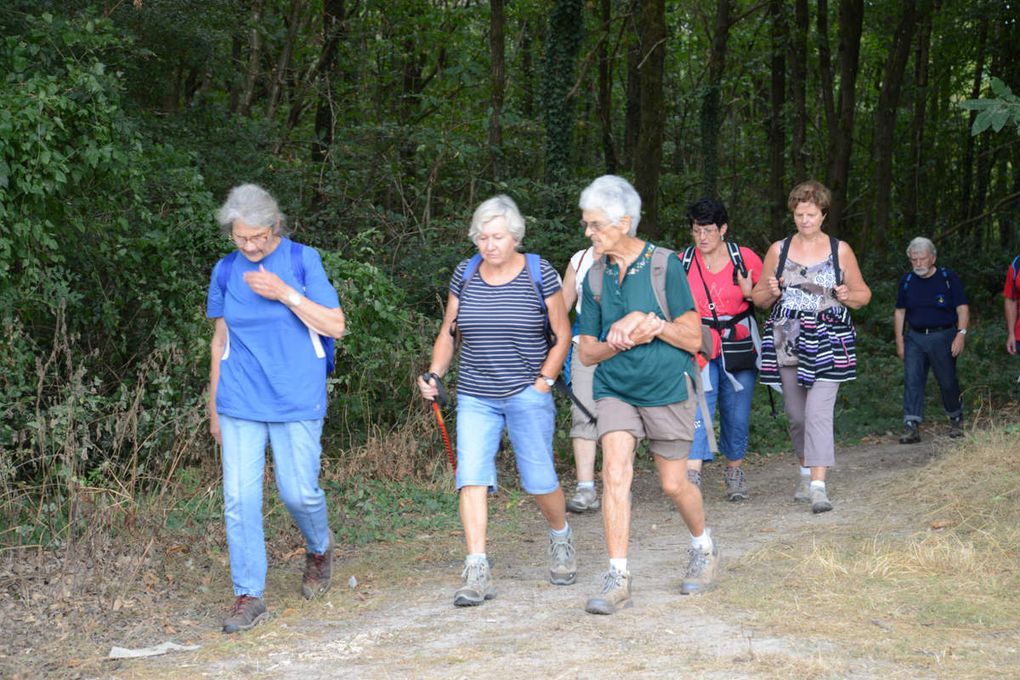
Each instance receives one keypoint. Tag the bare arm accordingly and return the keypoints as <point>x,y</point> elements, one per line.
<point>853,292</point>
<point>560,324</point>
<point>899,316</point>
<point>322,320</point>
<point>684,332</point>
<point>442,348</point>
<point>768,289</point>
<point>218,344</point>
<point>962,322</point>
<point>569,289</point>
<point>1010,325</point>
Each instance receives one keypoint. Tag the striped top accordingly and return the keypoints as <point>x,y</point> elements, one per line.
<point>809,329</point>
<point>502,331</point>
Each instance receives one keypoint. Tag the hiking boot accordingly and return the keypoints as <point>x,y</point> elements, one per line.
<point>615,594</point>
<point>802,494</point>
<point>477,586</point>
<point>956,427</point>
<point>820,501</point>
<point>246,613</point>
<point>911,435</point>
<point>562,563</point>
<point>736,485</point>
<point>583,500</point>
<point>694,477</point>
<point>318,572</point>
<point>701,570</point>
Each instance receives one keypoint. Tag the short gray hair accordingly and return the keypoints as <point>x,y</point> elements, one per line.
<point>615,197</point>
<point>500,205</point>
<point>254,206</point>
<point>921,243</point>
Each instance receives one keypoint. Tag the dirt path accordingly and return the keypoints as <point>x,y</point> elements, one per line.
<point>535,629</point>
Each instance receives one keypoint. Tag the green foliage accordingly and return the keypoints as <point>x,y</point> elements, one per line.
<point>995,113</point>
<point>366,510</point>
<point>562,43</point>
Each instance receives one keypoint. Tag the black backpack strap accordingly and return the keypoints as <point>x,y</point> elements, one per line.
<point>834,244</point>
<point>688,258</point>
<point>733,250</point>
<point>784,252</point>
<point>564,388</point>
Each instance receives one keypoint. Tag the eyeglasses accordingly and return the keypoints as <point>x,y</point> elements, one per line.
<point>698,230</point>
<point>258,240</point>
<point>595,226</point>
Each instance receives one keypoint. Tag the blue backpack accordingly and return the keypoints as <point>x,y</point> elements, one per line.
<point>297,265</point>
<point>532,263</point>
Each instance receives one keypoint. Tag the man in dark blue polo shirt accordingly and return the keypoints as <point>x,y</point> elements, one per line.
<point>931,326</point>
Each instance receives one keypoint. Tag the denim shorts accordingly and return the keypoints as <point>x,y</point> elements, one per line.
<point>529,416</point>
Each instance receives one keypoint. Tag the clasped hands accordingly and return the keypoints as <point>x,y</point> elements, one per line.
<point>267,284</point>
<point>637,328</point>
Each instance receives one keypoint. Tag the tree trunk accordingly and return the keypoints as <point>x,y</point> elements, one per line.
<point>711,118</point>
<point>968,154</point>
<point>334,23</point>
<point>632,111</point>
<point>885,118</point>
<point>295,23</point>
<point>825,72</point>
<point>851,21</point>
<point>798,76</point>
<point>648,163</point>
<point>916,178</point>
<point>497,79</point>
<point>776,127</point>
<point>233,86</point>
<point>527,72</point>
<point>566,24</point>
<point>605,98</point>
<point>254,55</point>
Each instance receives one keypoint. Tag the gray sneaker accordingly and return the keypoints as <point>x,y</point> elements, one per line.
<point>583,500</point>
<point>562,563</point>
<point>694,477</point>
<point>820,501</point>
<point>477,586</point>
<point>802,494</point>
<point>736,484</point>
<point>615,594</point>
<point>701,570</point>
<point>956,427</point>
<point>318,572</point>
<point>246,613</point>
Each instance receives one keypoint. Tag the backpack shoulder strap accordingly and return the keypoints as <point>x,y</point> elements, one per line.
<point>834,244</point>
<point>733,250</point>
<point>660,261</point>
<point>297,261</point>
<point>1015,268</point>
<point>595,274</point>
<point>223,274</point>
<point>469,271</point>
<point>687,258</point>
<point>784,252</point>
<point>533,264</point>
<point>906,279</point>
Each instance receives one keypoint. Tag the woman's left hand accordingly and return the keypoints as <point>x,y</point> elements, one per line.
<point>745,284</point>
<point>842,293</point>
<point>267,284</point>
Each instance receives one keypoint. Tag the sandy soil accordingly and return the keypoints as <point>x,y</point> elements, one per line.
<point>409,628</point>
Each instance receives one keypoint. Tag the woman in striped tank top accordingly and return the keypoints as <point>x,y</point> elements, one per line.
<point>809,341</point>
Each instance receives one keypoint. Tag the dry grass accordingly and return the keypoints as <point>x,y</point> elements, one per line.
<point>930,581</point>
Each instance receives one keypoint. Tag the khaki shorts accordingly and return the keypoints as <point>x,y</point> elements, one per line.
<point>581,378</point>
<point>669,428</point>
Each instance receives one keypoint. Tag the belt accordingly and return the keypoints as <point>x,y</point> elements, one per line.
<point>933,329</point>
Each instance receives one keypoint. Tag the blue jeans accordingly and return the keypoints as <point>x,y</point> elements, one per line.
<point>734,412</point>
<point>920,352</point>
<point>530,418</point>
<point>296,452</point>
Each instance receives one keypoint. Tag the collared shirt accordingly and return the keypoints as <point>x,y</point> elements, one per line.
<point>931,302</point>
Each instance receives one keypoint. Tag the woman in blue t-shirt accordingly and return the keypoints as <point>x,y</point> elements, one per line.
<point>498,306</point>
<point>273,306</point>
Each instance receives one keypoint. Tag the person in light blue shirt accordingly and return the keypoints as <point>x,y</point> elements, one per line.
<point>275,312</point>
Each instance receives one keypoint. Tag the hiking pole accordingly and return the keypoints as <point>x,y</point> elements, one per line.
<point>442,399</point>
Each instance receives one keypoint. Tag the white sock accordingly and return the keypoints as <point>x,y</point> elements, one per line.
<point>560,533</point>
<point>475,557</point>
<point>805,471</point>
<point>702,542</point>
<point>618,564</point>
<point>817,484</point>
<point>586,485</point>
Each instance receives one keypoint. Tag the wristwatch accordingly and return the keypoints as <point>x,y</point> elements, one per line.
<point>293,299</point>
<point>548,381</point>
<point>962,331</point>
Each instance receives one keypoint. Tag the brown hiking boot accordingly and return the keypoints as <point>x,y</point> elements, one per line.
<point>614,594</point>
<point>702,568</point>
<point>246,613</point>
<point>318,572</point>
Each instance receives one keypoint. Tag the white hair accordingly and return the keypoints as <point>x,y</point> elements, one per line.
<point>500,205</point>
<point>615,197</point>
<point>921,243</point>
<point>252,205</point>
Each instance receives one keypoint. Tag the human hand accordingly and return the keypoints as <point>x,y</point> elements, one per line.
<point>775,286</point>
<point>1011,344</point>
<point>842,292</point>
<point>744,282</point>
<point>619,335</point>
<point>214,428</point>
<point>899,349</point>
<point>428,388</point>
<point>267,284</point>
<point>957,347</point>
<point>648,329</point>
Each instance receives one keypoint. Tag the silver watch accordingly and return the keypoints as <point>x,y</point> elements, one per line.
<point>548,381</point>
<point>962,331</point>
<point>293,299</point>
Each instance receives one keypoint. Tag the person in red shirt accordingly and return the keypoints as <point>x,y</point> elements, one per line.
<point>1011,293</point>
<point>722,296</point>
